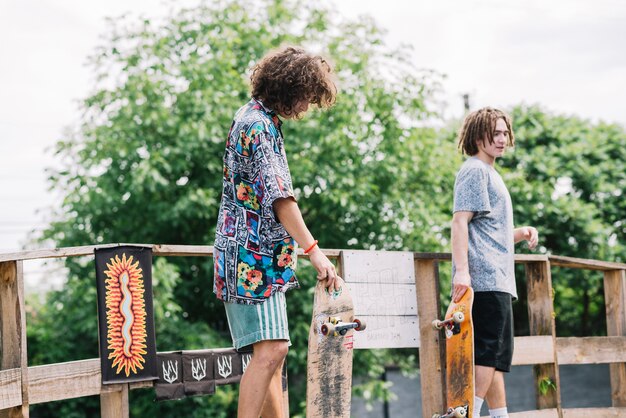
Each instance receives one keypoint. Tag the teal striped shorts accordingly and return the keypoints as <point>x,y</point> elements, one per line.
<point>250,324</point>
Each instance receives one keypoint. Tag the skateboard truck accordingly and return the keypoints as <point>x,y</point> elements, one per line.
<point>451,324</point>
<point>335,326</point>
<point>458,412</point>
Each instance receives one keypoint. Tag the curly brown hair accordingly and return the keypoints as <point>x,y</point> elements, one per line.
<point>479,125</point>
<point>287,76</point>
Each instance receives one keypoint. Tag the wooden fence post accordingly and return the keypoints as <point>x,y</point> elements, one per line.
<point>115,404</point>
<point>430,351</point>
<point>13,330</point>
<point>541,320</point>
<point>615,297</point>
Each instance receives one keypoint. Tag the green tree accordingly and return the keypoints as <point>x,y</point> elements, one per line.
<point>145,166</point>
<point>567,176</point>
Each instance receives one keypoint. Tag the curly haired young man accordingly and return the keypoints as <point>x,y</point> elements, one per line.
<point>260,224</point>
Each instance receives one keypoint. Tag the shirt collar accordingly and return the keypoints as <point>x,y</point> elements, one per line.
<point>272,113</point>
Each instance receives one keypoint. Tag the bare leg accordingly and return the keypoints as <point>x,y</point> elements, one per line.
<point>484,377</point>
<point>273,405</point>
<point>256,383</point>
<point>496,395</point>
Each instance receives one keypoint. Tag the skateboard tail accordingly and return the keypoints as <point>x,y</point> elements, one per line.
<point>459,342</point>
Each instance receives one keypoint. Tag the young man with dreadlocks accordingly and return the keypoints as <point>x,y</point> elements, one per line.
<point>259,222</point>
<point>483,239</point>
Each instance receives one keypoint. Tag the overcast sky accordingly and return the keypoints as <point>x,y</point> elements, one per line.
<point>567,55</point>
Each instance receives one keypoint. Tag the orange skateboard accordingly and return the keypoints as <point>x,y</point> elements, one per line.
<point>329,361</point>
<point>459,331</point>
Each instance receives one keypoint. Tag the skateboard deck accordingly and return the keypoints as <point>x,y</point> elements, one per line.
<point>329,361</point>
<point>459,333</point>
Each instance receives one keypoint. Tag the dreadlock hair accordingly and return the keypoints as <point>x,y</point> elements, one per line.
<point>478,126</point>
<point>286,76</point>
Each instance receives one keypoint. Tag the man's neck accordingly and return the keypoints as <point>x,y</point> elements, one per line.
<point>485,158</point>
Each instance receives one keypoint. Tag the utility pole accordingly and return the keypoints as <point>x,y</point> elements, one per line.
<point>466,103</point>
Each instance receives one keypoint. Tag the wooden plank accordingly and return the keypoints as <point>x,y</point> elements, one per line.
<point>74,379</point>
<point>10,334</point>
<point>573,413</point>
<point>433,256</point>
<point>388,332</point>
<point>23,340</point>
<point>375,299</point>
<point>541,320</point>
<point>182,250</point>
<point>54,382</point>
<point>519,258</point>
<point>527,258</point>
<point>13,330</point>
<point>141,385</point>
<point>157,249</point>
<point>52,252</point>
<point>378,267</point>
<point>533,350</point>
<point>115,404</point>
<point>541,413</point>
<point>581,263</point>
<point>431,351</point>
<point>10,388</point>
<point>591,350</point>
<point>382,284</point>
<point>89,250</point>
<point>615,298</point>
<point>207,250</point>
<point>595,412</point>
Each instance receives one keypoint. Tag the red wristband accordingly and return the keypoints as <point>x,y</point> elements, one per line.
<point>311,247</point>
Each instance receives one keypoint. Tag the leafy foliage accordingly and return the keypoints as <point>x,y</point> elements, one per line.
<point>145,166</point>
<point>567,176</point>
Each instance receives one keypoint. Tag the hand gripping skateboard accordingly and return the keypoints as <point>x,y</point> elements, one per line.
<point>329,361</point>
<point>459,332</point>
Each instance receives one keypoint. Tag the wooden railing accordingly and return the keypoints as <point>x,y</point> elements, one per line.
<point>541,349</point>
<point>21,385</point>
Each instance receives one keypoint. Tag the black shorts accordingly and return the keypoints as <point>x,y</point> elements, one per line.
<point>492,314</point>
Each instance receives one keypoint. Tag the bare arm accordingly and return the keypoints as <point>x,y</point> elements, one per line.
<point>460,244</point>
<point>290,217</point>
<point>526,233</point>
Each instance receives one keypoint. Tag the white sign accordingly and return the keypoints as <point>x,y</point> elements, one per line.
<point>382,284</point>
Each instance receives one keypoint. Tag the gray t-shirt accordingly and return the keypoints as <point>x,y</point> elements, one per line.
<point>480,189</point>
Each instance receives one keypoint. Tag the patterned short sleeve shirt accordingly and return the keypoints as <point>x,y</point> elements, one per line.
<point>254,256</point>
<point>480,189</point>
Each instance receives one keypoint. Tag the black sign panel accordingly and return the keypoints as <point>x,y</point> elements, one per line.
<point>170,383</point>
<point>125,314</point>
<point>198,372</point>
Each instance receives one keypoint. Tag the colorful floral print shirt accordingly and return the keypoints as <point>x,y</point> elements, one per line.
<point>254,255</point>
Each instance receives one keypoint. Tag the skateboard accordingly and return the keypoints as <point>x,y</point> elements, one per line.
<point>459,332</point>
<point>329,361</point>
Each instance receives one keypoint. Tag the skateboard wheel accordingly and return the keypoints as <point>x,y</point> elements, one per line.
<point>436,324</point>
<point>360,325</point>
<point>327,329</point>
<point>458,317</point>
<point>460,412</point>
